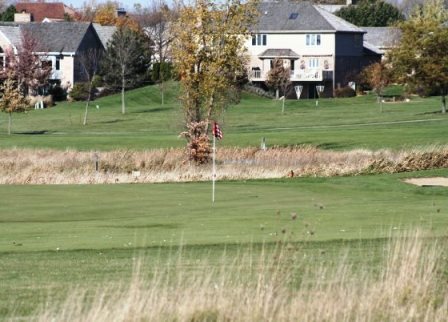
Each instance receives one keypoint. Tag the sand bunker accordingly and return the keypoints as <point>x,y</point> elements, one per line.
<point>428,182</point>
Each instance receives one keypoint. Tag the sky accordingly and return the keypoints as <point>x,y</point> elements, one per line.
<point>127,4</point>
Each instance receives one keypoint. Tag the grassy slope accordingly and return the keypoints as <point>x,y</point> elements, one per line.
<point>98,227</point>
<point>335,124</point>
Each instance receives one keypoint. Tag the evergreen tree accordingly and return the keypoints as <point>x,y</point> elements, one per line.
<point>368,13</point>
<point>8,14</point>
<point>127,61</point>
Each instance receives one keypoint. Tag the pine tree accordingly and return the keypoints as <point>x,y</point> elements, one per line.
<point>127,61</point>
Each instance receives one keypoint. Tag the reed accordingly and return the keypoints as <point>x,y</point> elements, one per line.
<point>277,285</point>
<point>33,166</point>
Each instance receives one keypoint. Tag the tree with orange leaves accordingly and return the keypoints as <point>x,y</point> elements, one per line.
<point>106,15</point>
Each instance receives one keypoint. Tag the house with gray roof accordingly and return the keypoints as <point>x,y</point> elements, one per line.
<point>318,47</point>
<point>60,44</point>
<point>383,38</point>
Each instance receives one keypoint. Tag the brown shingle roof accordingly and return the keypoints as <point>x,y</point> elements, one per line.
<point>41,10</point>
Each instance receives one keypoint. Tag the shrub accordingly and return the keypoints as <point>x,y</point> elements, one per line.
<point>58,93</point>
<point>160,70</point>
<point>344,92</point>
<point>97,81</point>
<point>80,92</point>
<point>47,100</point>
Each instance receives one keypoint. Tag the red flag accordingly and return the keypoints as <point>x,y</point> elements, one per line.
<point>217,133</point>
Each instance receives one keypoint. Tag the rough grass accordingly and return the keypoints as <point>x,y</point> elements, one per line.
<point>274,285</point>
<point>29,166</point>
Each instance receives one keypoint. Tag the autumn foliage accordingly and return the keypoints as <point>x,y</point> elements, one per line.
<point>209,55</point>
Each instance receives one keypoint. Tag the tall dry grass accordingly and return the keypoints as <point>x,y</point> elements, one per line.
<point>30,166</point>
<point>278,285</point>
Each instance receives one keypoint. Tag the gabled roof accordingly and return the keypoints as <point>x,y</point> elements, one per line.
<point>41,10</point>
<point>58,36</point>
<point>61,37</point>
<point>382,37</point>
<point>285,16</point>
<point>105,33</point>
<point>280,53</point>
<point>11,33</point>
<point>370,49</point>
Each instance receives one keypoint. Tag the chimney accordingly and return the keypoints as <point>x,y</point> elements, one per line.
<point>121,12</point>
<point>22,17</point>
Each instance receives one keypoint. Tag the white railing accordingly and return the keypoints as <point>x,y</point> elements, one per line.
<point>304,75</point>
<point>308,75</point>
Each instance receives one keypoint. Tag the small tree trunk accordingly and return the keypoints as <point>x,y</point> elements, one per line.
<point>162,88</point>
<point>443,102</point>
<point>162,92</point>
<point>87,103</point>
<point>9,123</point>
<point>277,94</point>
<point>381,103</point>
<point>283,105</point>
<point>123,84</point>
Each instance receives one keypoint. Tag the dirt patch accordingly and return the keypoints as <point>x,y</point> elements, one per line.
<point>424,182</point>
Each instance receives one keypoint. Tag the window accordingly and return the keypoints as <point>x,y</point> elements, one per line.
<point>58,64</point>
<point>259,40</point>
<point>313,63</point>
<point>293,16</point>
<point>312,40</point>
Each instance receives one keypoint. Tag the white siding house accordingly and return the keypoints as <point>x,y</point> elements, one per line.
<point>318,47</point>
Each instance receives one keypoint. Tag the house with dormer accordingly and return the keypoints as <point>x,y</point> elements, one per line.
<point>319,48</point>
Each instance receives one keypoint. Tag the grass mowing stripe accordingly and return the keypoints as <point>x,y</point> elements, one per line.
<point>112,216</point>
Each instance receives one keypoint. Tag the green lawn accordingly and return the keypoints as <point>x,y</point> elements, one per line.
<point>56,238</point>
<point>335,124</point>
<point>49,217</point>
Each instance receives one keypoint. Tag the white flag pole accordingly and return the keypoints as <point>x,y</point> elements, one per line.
<point>214,169</point>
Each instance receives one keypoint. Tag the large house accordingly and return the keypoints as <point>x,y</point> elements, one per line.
<point>319,48</point>
<point>60,44</point>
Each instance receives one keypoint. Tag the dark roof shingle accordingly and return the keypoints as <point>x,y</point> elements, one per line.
<point>382,37</point>
<point>58,36</point>
<point>276,16</point>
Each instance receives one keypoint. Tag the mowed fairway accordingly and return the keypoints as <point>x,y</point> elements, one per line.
<point>56,238</point>
<point>335,124</point>
<point>52,217</point>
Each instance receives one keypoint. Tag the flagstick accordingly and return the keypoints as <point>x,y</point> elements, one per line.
<point>214,170</point>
